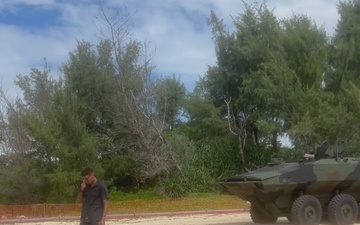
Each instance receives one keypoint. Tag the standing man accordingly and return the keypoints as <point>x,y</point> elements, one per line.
<point>94,195</point>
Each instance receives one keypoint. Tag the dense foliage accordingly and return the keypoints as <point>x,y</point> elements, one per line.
<point>273,78</point>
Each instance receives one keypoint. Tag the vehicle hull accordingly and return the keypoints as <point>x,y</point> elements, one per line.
<point>274,188</point>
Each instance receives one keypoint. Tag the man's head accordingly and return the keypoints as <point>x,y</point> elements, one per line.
<point>88,175</point>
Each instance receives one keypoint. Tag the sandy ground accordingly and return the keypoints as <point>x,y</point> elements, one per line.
<point>205,219</point>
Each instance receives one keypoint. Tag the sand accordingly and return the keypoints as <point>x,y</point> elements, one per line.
<point>204,219</point>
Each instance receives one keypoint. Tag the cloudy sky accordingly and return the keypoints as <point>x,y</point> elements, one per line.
<point>177,30</point>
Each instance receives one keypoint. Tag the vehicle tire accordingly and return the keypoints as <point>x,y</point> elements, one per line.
<point>306,210</point>
<point>358,219</point>
<point>259,217</point>
<point>343,209</point>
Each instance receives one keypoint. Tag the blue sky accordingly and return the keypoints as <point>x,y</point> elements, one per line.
<point>31,17</point>
<point>177,31</point>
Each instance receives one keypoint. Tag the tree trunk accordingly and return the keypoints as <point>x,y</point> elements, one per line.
<point>274,141</point>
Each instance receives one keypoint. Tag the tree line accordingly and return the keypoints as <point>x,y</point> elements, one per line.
<point>140,130</point>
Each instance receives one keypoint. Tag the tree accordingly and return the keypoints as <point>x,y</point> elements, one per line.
<point>14,158</point>
<point>296,68</point>
<point>203,119</point>
<point>239,57</point>
<point>343,65</point>
<point>341,77</point>
<point>170,95</point>
<point>86,70</point>
<point>138,125</point>
<point>60,144</point>
<point>306,50</point>
<point>89,78</point>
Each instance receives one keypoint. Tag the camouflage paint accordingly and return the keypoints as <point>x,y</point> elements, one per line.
<point>274,188</point>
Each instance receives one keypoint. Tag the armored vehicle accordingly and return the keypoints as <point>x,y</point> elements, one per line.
<point>307,191</point>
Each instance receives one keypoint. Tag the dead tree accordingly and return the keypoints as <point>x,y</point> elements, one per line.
<point>237,126</point>
<point>135,99</point>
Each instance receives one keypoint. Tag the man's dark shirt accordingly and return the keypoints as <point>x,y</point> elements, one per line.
<point>92,209</point>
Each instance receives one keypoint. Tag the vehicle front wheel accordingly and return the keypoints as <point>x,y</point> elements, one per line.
<point>306,210</point>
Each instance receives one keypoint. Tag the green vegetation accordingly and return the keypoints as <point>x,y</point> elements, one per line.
<point>149,138</point>
<point>117,196</point>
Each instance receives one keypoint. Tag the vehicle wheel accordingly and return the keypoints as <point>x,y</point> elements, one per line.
<point>343,209</point>
<point>306,210</point>
<point>259,217</point>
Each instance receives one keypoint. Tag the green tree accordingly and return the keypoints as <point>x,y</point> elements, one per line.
<point>296,68</point>
<point>90,69</point>
<point>343,65</point>
<point>341,77</point>
<point>240,56</point>
<point>60,144</point>
<point>89,77</point>
<point>203,119</point>
<point>170,96</point>
<point>306,50</point>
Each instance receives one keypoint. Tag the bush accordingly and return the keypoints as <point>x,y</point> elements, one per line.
<point>116,196</point>
<point>202,164</point>
<point>220,156</point>
<point>191,180</point>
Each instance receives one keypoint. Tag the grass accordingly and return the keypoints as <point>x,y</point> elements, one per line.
<point>192,203</point>
<point>147,201</point>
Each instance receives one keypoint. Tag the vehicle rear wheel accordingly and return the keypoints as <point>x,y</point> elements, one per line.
<point>343,209</point>
<point>306,210</point>
<point>261,218</point>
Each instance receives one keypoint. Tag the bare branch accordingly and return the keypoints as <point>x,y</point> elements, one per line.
<point>237,126</point>
<point>230,116</point>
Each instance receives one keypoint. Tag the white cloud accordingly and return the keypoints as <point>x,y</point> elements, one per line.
<point>21,51</point>
<point>183,47</point>
<point>180,47</point>
<point>323,12</point>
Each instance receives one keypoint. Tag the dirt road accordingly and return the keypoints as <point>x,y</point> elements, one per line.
<point>205,219</point>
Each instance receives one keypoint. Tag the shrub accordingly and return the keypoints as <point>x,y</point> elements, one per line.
<point>149,194</point>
